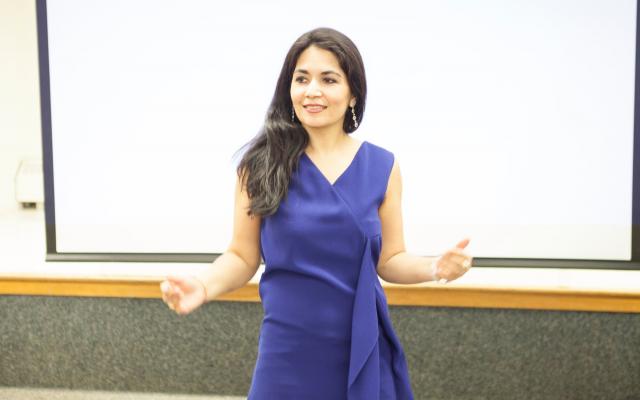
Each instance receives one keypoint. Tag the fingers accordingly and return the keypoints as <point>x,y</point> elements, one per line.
<point>171,295</point>
<point>454,263</point>
<point>178,281</point>
<point>165,289</point>
<point>458,258</point>
<point>455,251</point>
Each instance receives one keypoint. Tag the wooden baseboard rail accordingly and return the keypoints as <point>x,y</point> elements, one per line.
<point>424,295</point>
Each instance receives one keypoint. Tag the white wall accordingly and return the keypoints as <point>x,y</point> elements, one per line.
<point>19,94</point>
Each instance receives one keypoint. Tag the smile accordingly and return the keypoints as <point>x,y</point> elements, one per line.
<point>314,109</point>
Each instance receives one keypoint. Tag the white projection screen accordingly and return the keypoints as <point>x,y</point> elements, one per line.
<point>512,121</point>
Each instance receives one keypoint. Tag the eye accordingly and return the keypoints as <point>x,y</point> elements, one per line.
<point>300,79</point>
<point>330,80</point>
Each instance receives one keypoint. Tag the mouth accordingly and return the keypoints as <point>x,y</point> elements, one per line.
<point>314,108</point>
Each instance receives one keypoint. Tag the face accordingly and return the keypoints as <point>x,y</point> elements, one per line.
<point>319,90</point>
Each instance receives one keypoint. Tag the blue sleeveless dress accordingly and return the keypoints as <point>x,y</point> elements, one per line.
<point>326,332</point>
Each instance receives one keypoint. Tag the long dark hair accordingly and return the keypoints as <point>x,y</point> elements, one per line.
<point>273,155</point>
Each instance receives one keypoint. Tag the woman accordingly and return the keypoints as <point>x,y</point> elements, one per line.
<point>319,204</point>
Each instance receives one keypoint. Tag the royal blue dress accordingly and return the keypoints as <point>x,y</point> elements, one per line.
<point>326,332</point>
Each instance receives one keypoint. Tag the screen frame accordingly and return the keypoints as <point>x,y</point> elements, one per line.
<point>49,207</point>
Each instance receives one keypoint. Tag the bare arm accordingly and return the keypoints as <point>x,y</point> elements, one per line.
<point>395,264</point>
<point>239,263</point>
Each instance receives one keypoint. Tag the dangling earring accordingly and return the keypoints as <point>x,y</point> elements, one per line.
<point>293,115</point>
<point>355,121</point>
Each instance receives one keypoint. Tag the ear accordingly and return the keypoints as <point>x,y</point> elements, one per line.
<point>352,103</point>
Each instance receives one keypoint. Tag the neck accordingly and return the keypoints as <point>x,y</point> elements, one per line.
<point>326,140</point>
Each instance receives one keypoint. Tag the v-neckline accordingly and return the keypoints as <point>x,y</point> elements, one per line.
<point>353,160</point>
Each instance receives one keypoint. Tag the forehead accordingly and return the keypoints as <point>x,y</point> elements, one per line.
<point>314,59</point>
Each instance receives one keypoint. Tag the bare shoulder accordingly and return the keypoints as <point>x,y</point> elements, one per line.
<point>394,185</point>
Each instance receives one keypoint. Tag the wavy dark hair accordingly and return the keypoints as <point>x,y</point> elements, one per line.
<point>266,167</point>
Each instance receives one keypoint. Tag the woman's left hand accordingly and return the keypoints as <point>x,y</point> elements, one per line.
<point>452,264</point>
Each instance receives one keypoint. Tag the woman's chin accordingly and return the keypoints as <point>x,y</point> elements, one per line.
<point>317,124</point>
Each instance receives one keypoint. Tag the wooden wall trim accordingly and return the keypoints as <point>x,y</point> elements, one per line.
<point>407,295</point>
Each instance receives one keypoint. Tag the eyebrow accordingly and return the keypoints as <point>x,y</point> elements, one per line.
<point>304,71</point>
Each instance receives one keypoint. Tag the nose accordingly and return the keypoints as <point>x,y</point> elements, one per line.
<point>313,90</point>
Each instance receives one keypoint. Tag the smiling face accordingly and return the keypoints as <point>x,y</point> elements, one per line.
<point>319,90</point>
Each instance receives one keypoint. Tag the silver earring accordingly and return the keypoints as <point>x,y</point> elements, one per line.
<point>293,115</point>
<point>355,121</point>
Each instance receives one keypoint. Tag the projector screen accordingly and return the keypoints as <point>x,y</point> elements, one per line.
<point>512,121</point>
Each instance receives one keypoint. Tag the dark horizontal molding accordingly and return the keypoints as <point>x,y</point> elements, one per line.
<point>477,261</point>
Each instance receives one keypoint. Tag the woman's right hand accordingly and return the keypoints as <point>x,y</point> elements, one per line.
<point>183,294</point>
